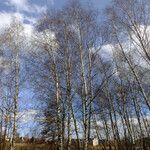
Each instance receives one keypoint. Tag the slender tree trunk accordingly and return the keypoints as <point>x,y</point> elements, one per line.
<point>60,145</point>
<point>84,93</point>
<point>1,129</point>
<point>15,101</point>
<point>76,128</point>
<point>90,94</point>
<point>68,87</point>
<point>5,133</point>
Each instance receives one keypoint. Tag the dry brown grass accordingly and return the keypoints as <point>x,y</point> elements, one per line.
<point>49,147</point>
<point>27,146</point>
<point>34,147</point>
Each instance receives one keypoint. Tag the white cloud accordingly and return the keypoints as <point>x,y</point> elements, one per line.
<point>8,18</point>
<point>28,29</point>
<point>5,19</point>
<point>107,52</point>
<point>24,5</point>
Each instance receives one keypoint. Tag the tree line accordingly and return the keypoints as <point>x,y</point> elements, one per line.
<point>90,73</point>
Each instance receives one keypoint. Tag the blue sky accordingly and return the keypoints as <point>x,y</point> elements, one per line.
<point>28,12</point>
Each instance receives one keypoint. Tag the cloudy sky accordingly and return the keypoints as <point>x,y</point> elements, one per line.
<point>28,11</point>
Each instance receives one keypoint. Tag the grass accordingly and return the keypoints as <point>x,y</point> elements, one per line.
<point>49,147</point>
<point>28,146</point>
<point>34,147</point>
